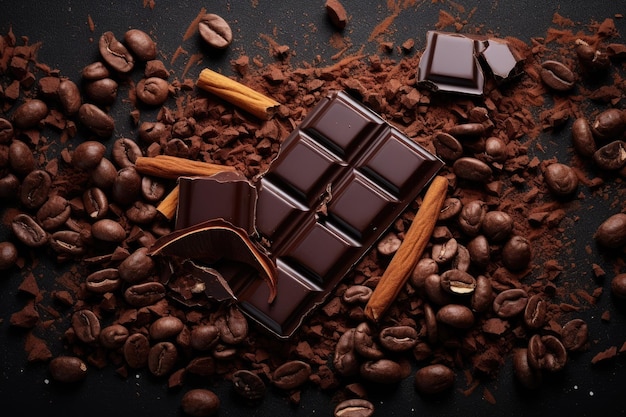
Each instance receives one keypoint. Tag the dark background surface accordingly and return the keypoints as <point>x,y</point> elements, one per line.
<point>69,45</point>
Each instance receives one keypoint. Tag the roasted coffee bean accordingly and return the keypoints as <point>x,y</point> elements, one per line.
<point>232,326</point>
<point>462,259</point>
<point>355,407</point>
<point>357,294</point>
<point>516,253</point>
<point>54,212</point>
<point>510,303</point>
<point>8,255</point>
<point>137,266</point>
<point>557,76</point>
<point>9,186</point>
<point>443,253</point>
<point>88,155</point>
<point>609,125</point>
<point>525,374</point>
<point>575,335</point>
<point>145,294</point>
<point>291,375</point>
<point>204,337</point>
<point>535,312</point>
<point>113,336</point>
<point>457,282</point>
<point>152,190</point>
<point>345,360</point>
<point>202,366</point>
<point>497,225</point>
<point>166,328</point>
<point>102,92</point>
<point>398,338</point>
<point>389,244</point>
<point>618,286</point>
<point>248,385</point>
<point>482,298</point>
<point>162,358</point>
<point>364,342</point>
<point>434,379</point>
<point>28,231</point>
<point>441,234</point>
<point>456,315</point>
<point>4,157</point>
<point>35,189</point>
<point>21,159</point>
<point>382,371</point>
<point>127,186</point>
<point>472,169</point>
<point>115,53</point>
<point>561,179</point>
<point>590,58</point>
<point>69,96</point>
<point>154,132</point>
<point>141,213</point>
<point>611,156</point>
<point>612,232</point>
<point>140,44</point>
<point>136,350</point>
<point>546,352</point>
<point>67,243</point>
<point>223,352</point>
<point>215,31</point>
<point>103,281</point>
<point>96,203</point>
<point>467,130</point>
<point>424,268</point>
<point>152,91</point>
<point>495,150</point>
<point>108,230</point>
<point>6,130</point>
<point>67,369</point>
<point>435,292</point>
<point>447,147</point>
<point>30,114</point>
<point>471,217</point>
<point>200,402</point>
<point>95,71</point>
<point>582,138</point>
<point>96,120</point>
<point>479,251</point>
<point>451,208</point>
<point>86,325</point>
<point>103,176</point>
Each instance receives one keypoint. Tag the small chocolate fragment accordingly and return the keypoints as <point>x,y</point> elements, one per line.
<point>449,64</point>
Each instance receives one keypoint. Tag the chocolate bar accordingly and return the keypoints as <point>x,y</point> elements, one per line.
<point>337,184</point>
<point>453,62</point>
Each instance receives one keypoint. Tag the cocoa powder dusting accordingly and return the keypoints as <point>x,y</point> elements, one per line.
<point>520,115</point>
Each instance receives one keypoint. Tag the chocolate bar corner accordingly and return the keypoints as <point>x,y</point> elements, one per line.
<point>337,184</point>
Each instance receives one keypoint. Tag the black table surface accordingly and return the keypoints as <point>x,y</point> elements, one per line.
<point>68,44</point>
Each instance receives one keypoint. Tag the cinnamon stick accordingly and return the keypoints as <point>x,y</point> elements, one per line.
<point>167,207</point>
<point>399,269</point>
<point>172,167</point>
<point>237,94</point>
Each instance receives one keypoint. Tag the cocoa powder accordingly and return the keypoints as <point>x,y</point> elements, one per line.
<point>220,134</point>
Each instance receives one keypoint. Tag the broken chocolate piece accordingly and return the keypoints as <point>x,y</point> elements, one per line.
<point>217,242</point>
<point>453,62</point>
<point>449,64</point>
<point>226,195</point>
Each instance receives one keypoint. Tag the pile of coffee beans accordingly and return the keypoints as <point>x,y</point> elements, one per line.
<point>484,292</point>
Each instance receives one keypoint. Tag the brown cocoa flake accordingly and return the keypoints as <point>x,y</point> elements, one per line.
<point>27,317</point>
<point>605,355</point>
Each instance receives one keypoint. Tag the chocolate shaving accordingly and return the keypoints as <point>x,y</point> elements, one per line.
<point>217,240</point>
